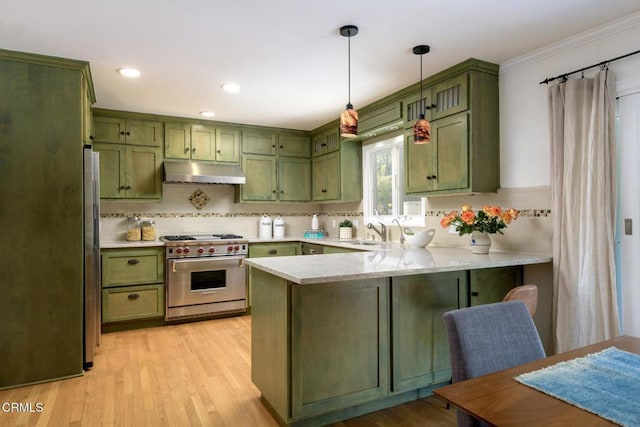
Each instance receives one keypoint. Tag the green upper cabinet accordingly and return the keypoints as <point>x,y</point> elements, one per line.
<point>380,120</point>
<point>414,105</point>
<point>294,145</point>
<point>326,177</point>
<point>449,97</point>
<point>277,167</point>
<point>442,164</point>
<point>227,145</point>
<point>262,180</point>
<point>463,156</point>
<point>326,142</point>
<point>201,142</point>
<point>177,141</point>
<point>294,179</point>
<point>259,142</point>
<point>118,130</point>
<point>337,176</point>
<point>129,172</point>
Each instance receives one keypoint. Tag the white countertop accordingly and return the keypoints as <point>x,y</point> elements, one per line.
<point>393,261</point>
<point>124,244</point>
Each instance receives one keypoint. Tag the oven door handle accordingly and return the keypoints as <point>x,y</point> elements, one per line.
<point>204,264</point>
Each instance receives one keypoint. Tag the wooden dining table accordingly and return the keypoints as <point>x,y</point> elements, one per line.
<point>500,400</point>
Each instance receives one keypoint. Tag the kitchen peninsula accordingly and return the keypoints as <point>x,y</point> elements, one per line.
<point>335,336</point>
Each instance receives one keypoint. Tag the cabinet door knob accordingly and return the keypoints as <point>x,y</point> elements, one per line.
<point>218,151</point>
<point>433,177</point>
<point>133,261</point>
<point>193,150</point>
<point>91,137</point>
<point>128,187</point>
<point>475,293</point>
<point>281,147</point>
<point>128,133</point>
<point>133,296</point>
<point>324,191</point>
<point>186,150</point>
<point>324,144</point>
<point>428,177</point>
<point>429,107</point>
<point>273,251</point>
<point>121,132</point>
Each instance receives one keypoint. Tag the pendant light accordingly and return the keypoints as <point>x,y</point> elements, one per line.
<point>349,117</point>
<point>421,128</point>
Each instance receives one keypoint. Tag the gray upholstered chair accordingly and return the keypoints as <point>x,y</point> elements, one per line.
<point>488,338</point>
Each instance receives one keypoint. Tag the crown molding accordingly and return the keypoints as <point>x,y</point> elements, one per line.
<point>581,39</point>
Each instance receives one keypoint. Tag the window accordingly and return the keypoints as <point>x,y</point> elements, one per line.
<point>383,184</point>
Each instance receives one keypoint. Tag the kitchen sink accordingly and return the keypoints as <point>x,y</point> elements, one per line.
<point>370,243</point>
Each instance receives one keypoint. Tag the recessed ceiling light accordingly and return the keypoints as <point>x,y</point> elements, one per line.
<point>207,113</point>
<point>129,72</point>
<point>230,87</point>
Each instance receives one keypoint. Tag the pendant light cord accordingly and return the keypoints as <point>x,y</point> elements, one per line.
<point>349,66</point>
<point>421,98</point>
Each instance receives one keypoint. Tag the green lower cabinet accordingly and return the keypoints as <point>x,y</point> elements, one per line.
<point>337,250</point>
<point>132,303</point>
<point>420,351</point>
<point>257,250</point>
<point>132,284</point>
<point>490,285</point>
<point>339,345</point>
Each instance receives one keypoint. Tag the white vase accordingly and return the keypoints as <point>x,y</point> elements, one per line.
<point>480,242</point>
<point>345,232</point>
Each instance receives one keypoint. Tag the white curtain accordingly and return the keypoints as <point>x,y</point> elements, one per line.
<point>582,120</point>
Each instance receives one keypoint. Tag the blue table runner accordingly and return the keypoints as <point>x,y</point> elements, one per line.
<point>606,383</point>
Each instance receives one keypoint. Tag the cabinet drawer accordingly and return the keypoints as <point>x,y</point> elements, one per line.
<point>131,267</point>
<point>132,302</point>
<point>273,249</point>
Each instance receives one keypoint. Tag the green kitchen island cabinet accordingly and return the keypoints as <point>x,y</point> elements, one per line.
<point>339,335</point>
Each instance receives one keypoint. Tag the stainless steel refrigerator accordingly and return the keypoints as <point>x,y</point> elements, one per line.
<point>92,285</point>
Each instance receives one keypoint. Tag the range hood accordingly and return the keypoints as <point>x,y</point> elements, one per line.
<point>178,171</point>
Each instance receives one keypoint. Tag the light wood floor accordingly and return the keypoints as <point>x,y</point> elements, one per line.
<point>181,375</point>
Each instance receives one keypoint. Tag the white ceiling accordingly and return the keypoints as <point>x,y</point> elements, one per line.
<point>287,55</point>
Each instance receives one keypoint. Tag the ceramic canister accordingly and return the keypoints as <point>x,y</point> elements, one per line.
<point>265,227</point>
<point>278,227</point>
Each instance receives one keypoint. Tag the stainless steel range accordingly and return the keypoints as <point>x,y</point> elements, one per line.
<point>205,275</point>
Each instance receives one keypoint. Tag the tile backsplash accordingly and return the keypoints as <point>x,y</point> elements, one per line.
<point>175,214</point>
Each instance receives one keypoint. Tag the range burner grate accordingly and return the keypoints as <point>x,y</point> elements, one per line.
<point>178,238</point>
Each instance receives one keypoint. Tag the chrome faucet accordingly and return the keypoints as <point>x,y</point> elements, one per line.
<point>382,232</point>
<point>400,228</point>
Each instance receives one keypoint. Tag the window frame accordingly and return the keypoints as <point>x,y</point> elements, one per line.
<point>369,148</point>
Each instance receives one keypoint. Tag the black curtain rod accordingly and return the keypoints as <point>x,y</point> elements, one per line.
<point>600,64</point>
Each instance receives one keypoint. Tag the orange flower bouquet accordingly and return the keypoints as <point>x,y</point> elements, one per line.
<point>491,219</point>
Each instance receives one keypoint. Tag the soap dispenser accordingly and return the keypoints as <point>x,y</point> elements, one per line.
<point>314,222</point>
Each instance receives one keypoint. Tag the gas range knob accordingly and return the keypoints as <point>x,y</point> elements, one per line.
<point>200,250</point>
<point>186,250</point>
<point>178,250</point>
<point>236,247</point>
<point>229,248</point>
<point>212,250</point>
